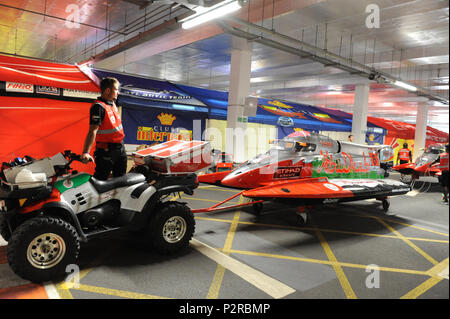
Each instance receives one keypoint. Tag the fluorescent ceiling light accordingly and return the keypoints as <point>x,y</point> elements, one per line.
<point>405,86</point>
<point>216,11</point>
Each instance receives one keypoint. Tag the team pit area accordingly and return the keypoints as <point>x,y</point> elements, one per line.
<point>350,250</point>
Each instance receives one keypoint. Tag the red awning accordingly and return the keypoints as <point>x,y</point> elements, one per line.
<point>395,128</point>
<point>407,131</point>
<point>21,70</point>
<point>41,127</point>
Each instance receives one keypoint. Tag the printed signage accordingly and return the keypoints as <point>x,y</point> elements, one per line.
<point>80,94</point>
<point>163,132</point>
<point>153,93</point>
<point>287,172</point>
<point>19,87</point>
<point>47,90</point>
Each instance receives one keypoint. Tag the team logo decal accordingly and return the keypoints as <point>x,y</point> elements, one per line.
<point>68,183</point>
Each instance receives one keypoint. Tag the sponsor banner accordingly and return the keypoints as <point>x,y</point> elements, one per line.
<point>19,87</point>
<point>150,126</point>
<point>47,90</point>
<point>149,89</point>
<point>154,94</point>
<point>80,94</point>
<point>374,138</point>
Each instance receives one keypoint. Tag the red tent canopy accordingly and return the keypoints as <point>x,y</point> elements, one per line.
<point>41,127</point>
<point>395,128</point>
<point>407,131</point>
<point>30,123</point>
<point>21,70</point>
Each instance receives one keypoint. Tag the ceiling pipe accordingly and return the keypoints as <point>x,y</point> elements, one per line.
<point>129,28</point>
<point>317,54</point>
<point>169,25</point>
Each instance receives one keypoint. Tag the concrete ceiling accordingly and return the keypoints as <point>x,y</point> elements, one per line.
<point>143,37</point>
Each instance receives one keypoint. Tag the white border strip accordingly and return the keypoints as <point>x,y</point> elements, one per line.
<point>269,285</point>
<point>51,291</point>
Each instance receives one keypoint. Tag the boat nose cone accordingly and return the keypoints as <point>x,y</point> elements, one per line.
<point>231,181</point>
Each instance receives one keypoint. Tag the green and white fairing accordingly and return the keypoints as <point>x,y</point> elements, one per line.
<point>79,192</point>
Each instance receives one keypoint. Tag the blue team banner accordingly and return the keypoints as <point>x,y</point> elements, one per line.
<point>375,136</point>
<point>145,88</point>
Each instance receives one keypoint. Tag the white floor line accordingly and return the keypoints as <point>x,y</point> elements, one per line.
<point>269,285</point>
<point>412,193</point>
<point>444,273</point>
<point>51,291</point>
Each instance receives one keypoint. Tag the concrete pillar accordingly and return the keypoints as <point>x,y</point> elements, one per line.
<point>421,130</point>
<point>240,73</point>
<point>360,110</point>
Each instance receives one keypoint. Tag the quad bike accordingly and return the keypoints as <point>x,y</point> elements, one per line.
<point>44,221</point>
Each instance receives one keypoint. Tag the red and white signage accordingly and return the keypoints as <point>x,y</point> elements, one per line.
<point>19,87</point>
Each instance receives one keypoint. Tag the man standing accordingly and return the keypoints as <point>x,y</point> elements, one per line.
<point>350,138</point>
<point>404,155</point>
<point>105,128</point>
<point>443,165</point>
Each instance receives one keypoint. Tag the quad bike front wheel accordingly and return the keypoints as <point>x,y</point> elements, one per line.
<point>41,248</point>
<point>171,227</point>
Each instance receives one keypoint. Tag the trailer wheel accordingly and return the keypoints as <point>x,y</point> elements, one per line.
<point>41,248</point>
<point>257,208</point>
<point>171,227</point>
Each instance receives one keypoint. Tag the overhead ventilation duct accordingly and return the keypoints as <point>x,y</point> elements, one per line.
<point>305,50</point>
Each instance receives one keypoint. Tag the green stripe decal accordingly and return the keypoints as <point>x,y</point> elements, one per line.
<point>72,182</point>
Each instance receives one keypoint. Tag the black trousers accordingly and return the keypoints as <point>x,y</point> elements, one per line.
<point>110,160</point>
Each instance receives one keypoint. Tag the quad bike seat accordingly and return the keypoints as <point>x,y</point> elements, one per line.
<point>116,182</point>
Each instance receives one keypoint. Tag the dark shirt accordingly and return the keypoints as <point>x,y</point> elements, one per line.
<point>97,112</point>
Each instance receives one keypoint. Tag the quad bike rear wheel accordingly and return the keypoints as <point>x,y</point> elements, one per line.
<point>171,227</point>
<point>41,248</point>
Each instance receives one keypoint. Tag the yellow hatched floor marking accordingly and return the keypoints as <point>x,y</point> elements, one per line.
<point>348,290</point>
<point>216,283</point>
<point>407,241</point>
<point>116,292</point>
<point>322,230</point>
<point>328,262</point>
<point>63,287</point>
<point>400,223</point>
<point>421,289</point>
<point>439,269</point>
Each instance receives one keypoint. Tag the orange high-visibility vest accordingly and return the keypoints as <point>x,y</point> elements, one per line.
<point>443,162</point>
<point>403,154</point>
<point>111,130</point>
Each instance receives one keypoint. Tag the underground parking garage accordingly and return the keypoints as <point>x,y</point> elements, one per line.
<point>226,155</point>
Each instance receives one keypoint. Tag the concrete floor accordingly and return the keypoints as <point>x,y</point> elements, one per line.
<point>239,255</point>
